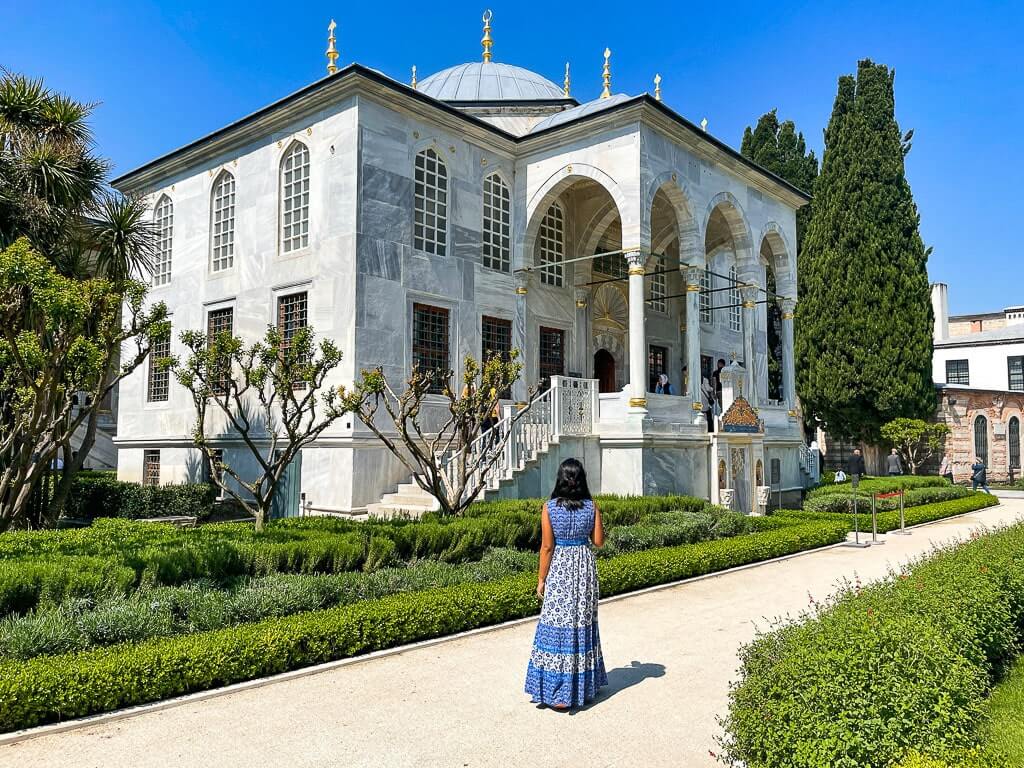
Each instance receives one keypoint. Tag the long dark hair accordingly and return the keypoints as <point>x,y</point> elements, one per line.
<point>571,485</point>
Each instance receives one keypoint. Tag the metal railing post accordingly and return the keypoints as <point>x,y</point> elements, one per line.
<point>874,522</point>
<point>856,529</point>
<point>903,522</point>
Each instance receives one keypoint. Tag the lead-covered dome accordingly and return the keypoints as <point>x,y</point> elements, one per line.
<point>489,81</point>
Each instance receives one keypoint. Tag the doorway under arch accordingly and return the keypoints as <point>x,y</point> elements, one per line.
<point>604,370</point>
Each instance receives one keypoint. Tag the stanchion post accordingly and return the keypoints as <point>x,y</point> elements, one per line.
<point>874,523</point>
<point>856,530</point>
<point>903,522</point>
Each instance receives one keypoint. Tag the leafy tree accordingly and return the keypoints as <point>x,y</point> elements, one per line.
<point>864,320</point>
<point>60,340</point>
<point>53,195</point>
<point>915,439</point>
<point>781,149</point>
<point>271,395</point>
<point>452,456</point>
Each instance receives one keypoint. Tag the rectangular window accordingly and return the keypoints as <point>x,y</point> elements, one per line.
<point>496,339</point>
<point>159,375</point>
<point>1015,373</point>
<point>658,292</point>
<point>220,321</point>
<point>707,366</point>
<point>735,318</point>
<point>291,317</point>
<point>430,343</point>
<point>657,359</point>
<point>957,372</point>
<point>611,264</point>
<point>151,468</point>
<point>705,297</point>
<point>430,230</point>
<point>551,354</point>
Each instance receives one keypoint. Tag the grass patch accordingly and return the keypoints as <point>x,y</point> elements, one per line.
<point>1005,709</point>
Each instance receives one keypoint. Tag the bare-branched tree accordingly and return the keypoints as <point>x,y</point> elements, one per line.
<point>454,458</point>
<point>271,396</point>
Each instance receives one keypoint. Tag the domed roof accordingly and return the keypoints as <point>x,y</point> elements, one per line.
<point>489,81</point>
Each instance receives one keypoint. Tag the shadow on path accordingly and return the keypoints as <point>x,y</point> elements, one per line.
<point>621,678</point>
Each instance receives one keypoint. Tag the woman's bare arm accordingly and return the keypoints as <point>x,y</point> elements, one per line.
<point>598,536</point>
<point>547,548</point>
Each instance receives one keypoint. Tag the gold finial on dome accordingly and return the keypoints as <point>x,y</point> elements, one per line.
<point>565,86</point>
<point>607,74</point>
<point>486,41</point>
<point>332,52</point>
<point>413,82</point>
<point>657,87</point>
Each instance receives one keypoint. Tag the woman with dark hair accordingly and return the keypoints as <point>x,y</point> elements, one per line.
<point>566,666</point>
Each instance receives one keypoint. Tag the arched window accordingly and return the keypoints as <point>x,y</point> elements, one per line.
<point>735,318</point>
<point>706,316</point>
<point>163,222</point>
<point>773,331</point>
<point>658,292</point>
<point>981,438</point>
<point>1013,436</point>
<point>497,224</point>
<point>295,198</point>
<point>222,223</point>
<point>551,245</point>
<point>431,223</point>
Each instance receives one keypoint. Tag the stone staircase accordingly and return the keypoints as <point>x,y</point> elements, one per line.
<point>530,440</point>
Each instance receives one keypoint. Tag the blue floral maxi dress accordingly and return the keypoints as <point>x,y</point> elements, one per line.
<point>566,666</point>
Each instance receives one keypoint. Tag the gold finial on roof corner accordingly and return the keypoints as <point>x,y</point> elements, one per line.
<point>413,82</point>
<point>486,41</point>
<point>657,87</point>
<point>565,86</point>
<point>332,52</point>
<point>607,74</point>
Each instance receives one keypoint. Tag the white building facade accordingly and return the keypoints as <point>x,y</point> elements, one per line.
<point>979,372</point>
<point>418,225</point>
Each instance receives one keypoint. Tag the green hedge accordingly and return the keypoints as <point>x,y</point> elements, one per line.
<point>102,495</point>
<point>889,521</point>
<point>903,665</point>
<point>841,502</point>
<point>871,485</point>
<point>51,688</point>
<point>29,582</point>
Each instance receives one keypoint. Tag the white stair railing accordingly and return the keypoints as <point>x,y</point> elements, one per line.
<point>568,407</point>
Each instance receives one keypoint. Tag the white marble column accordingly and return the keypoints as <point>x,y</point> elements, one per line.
<point>749,293</point>
<point>581,326</point>
<point>693,275</point>
<point>637,334</point>
<point>788,355</point>
<point>519,388</point>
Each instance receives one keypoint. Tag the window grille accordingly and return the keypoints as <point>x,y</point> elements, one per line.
<point>431,216</point>
<point>658,292</point>
<point>957,372</point>
<point>496,340</point>
<point>295,198</point>
<point>497,224</point>
<point>735,318</point>
<point>551,242</point>
<point>222,223</point>
<point>430,344</point>
<point>291,317</point>
<point>706,315</point>
<point>981,438</point>
<point>151,468</point>
<point>1015,373</point>
<point>163,222</point>
<point>552,354</point>
<point>1013,437</point>
<point>220,321</point>
<point>159,375</point>
<point>657,364</point>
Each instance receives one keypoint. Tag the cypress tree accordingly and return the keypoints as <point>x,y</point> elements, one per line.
<point>864,319</point>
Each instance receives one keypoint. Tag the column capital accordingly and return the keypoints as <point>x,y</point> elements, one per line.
<point>748,292</point>
<point>693,276</point>
<point>522,278</point>
<point>788,308</point>
<point>636,261</point>
<point>582,295</point>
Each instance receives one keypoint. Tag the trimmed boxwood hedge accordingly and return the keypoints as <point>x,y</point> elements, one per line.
<point>890,521</point>
<point>870,485</point>
<point>100,494</point>
<point>882,672</point>
<point>51,688</point>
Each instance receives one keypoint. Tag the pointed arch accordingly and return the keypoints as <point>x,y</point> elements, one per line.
<point>222,222</point>
<point>163,223</point>
<point>293,191</point>
<point>671,185</point>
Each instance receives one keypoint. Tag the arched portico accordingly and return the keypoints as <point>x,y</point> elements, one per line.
<point>780,288</point>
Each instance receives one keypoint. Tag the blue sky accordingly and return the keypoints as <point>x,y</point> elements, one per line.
<point>166,73</point>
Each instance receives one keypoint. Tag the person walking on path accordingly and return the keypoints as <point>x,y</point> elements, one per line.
<point>566,666</point>
<point>946,468</point>
<point>978,475</point>
<point>892,464</point>
<point>855,467</point>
